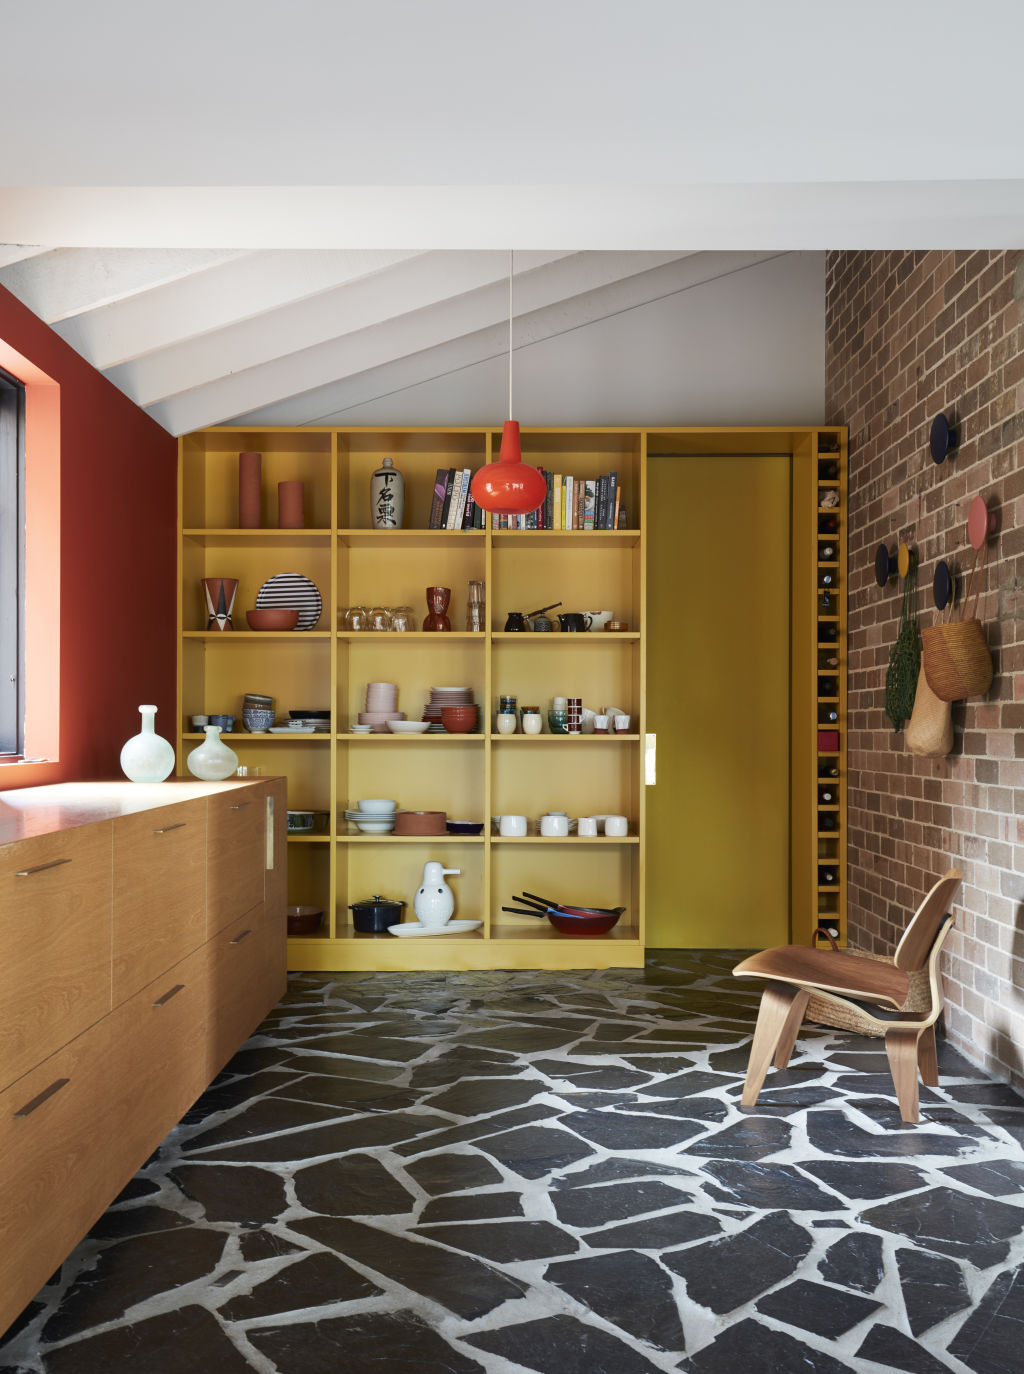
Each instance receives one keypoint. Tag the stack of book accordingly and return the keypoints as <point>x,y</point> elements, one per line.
<point>572,503</point>
<point>453,507</point>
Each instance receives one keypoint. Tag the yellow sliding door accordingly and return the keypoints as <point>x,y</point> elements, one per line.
<point>718,699</point>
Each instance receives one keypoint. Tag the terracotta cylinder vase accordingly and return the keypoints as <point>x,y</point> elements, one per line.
<point>249,476</point>
<point>290,515</point>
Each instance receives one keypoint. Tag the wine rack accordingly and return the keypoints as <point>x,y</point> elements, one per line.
<point>830,691</point>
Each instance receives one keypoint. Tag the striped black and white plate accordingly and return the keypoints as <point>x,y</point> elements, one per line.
<point>295,592</point>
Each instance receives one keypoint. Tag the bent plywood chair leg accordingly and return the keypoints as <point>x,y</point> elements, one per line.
<point>772,1019</point>
<point>927,1057</point>
<point>791,1029</point>
<point>901,1047</point>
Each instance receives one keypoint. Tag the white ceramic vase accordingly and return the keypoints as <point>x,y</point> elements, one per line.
<point>212,760</point>
<point>387,497</point>
<point>434,901</point>
<point>147,757</point>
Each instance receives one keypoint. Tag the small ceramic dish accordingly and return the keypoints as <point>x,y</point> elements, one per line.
<point>465,827</point>
<point>300,820</point>
<point>377,805</point>
<point>408,727</point>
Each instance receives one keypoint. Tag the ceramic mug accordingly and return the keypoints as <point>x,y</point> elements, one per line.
<point>586,827</point>
<point>600,725</point>
<point>531,724</point>
<point>505,723</point>
<point>616,825</point>
<point>512,825</point>
<point>554,824</point>
<point>622,725</point>
<point>597,620</point>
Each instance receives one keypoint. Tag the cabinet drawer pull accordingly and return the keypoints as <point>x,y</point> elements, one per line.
<point>239,806</point>
<point>40,868</point>
<point>239,938</point>
<point>162,1001</point>
<point>47,1093</point>
<point>165,828</point>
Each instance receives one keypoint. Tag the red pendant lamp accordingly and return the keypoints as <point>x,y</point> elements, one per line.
<point>509,486</point>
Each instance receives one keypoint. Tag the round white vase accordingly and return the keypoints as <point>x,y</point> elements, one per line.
<point>212,761</point>
<point>147,756</point>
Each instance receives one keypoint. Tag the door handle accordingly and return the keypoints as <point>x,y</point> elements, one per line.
<point>239,938</point>
<point>239,806</point>
<point>44,1096</point>
<point>162,1001</point>
<point>40,868</point>
<point>164,829</point>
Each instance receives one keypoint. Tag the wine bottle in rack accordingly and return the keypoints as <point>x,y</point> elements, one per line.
<point>827,769</point>
<point>828,524</point>
<point>827,633</point>
<point>827,877</point>
<point>827,820</point>
<point>827,796</point>
<point>826,553</point>
<point>827,687</point>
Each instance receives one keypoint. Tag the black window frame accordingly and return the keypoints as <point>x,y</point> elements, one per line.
<point>12,565</point>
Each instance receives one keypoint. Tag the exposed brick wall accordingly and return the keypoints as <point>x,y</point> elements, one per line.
<point>910,335</point>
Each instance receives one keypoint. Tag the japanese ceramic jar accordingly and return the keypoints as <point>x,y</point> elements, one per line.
<point>387,497</point>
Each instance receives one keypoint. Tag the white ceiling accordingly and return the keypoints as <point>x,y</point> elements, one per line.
<point>237,207</point>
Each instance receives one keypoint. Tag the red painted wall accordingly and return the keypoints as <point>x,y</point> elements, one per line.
<point>117,545</point>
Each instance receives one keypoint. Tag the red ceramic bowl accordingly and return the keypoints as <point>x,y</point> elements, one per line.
<point>273,618</point>
<point>460,720</point>
<point>304,920</point>
<point>581,925</point>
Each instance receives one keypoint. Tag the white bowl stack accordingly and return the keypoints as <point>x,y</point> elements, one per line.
<point>381,704</point>
<point>445,696</point>
<point>373,816</point>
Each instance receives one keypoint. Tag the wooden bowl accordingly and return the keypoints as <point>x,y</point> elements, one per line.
<point>273,618</point>
<point>304,920</point>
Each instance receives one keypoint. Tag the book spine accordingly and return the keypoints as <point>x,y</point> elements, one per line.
<point>570,508</point>
<point>578,489</point>
<point>437,505</point>
<point>556,523</point>
<point>449,482</point>
<point>453,508</point>
<point>549,500</point>
<point>469,519</point>
<point>618,493</point>
<point>589,498</point>
<point>601,514</point>
<point>460,516</point>
<point>613,498</point>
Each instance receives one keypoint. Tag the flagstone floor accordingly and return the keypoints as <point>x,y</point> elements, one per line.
<point>509,1172</point>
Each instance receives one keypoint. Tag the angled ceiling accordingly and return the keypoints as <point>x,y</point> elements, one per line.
<point>244,212</point>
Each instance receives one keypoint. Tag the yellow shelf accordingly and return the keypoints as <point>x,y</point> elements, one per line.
<point>411,839</point>
<point>410,539</point>
<point>295,539</point>
<point>243,636</point>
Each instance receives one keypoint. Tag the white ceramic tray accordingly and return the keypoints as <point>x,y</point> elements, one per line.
<point>413,928</point>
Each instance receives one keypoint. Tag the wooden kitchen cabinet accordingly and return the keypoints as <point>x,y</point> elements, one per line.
<point>125,1009</point>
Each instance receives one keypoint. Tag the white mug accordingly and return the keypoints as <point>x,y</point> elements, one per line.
<point>616,825</point>
<point>512,825</point>
<point>622,725</point>
<point>531,723</point>
<point>597,620</point>
<point>505,723</point>
<point>554,824</point>
<point>586,826</point>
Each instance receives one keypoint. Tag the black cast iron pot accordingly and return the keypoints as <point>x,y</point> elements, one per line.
<point>374,915</point>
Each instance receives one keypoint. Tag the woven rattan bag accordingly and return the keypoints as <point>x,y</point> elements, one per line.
<point>930,729</point>
<point>957,662</point>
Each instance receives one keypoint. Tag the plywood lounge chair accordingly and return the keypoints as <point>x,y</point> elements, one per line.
<point>874,993</point>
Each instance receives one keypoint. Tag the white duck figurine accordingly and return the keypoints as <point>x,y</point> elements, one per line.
<point>434,901</point>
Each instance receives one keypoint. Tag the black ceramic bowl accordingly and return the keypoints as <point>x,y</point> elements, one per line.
<point>465,827</point>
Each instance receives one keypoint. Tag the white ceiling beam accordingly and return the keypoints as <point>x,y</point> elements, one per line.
<point>67,281</point>
<point>601,283</point>
<point>682,216</point>
<point>427,279</point>
<point>17,252</point>
<point>228,293</point>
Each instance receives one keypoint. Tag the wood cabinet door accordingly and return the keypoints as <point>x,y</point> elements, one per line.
<point>242,987</point>
<point>55,905</point>
<point>159,892</point>
<point>236,858</point>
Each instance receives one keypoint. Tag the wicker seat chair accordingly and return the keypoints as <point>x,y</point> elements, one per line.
<point>872,996</point>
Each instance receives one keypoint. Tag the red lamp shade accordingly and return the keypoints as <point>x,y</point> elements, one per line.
<point>509,486</point>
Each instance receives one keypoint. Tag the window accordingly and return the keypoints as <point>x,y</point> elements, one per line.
<point>12,564</point>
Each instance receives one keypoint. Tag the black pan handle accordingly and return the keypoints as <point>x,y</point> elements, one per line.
<point>518,911</point>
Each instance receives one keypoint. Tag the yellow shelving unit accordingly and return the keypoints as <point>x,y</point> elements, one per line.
<point>472,777</point>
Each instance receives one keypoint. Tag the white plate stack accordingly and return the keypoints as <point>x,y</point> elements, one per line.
<point>381,706</point>
<point>445,696</point>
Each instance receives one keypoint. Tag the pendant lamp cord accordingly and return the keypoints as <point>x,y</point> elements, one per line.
<point>510,253</point>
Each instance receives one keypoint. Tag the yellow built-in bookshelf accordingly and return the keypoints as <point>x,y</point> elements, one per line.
<point>480,775</point>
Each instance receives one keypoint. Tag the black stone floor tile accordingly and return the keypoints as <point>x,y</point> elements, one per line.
<point>463,1285</point>
<point>629,1290</point>
<point>312,1281</point>
<point>989,1342</point>
<point>454,1172</point>
<point>587,1207</point>
<point>887,1346</point>
<point>971,1228</point>
<point>817,1308</point>
<point>187,1341</point>
<point>751,1345</point>
<point>398,1342</point>
<point>723,1274</point>
<point>355,1185</point>
<point>933,1288</point>
<point>854,1261</point>
<point>563,1344</point>
<point>771,1187</point>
